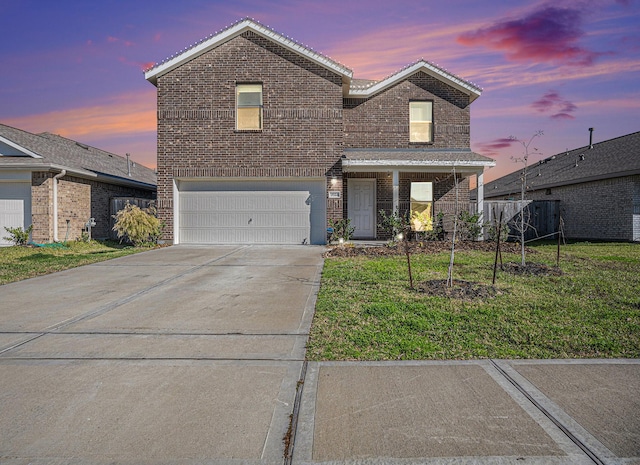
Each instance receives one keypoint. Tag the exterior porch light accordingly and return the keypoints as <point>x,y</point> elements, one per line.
<point>334,181</point>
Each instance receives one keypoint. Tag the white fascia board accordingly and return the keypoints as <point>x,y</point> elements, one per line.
<point>19,148</point>
<point>234,31</point>
<point>473,91</point>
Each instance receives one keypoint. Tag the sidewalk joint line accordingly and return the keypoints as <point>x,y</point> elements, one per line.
<point>582,446</point>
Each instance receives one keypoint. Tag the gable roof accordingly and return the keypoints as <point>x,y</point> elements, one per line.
<point>236,29</point>
<point>50,152</point>
<point>363,89</point>
<point>609,159</point>
<point>355,88</point>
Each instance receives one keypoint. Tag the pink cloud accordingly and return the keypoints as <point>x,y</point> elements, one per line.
<point>552,102</point>
<point>492,148</point>
<point>549,34</point>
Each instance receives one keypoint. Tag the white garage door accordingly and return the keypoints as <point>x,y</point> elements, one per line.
<point>251,212</point>
<point>15,206</point>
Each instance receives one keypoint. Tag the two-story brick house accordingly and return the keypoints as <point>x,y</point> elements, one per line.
<point>263,140</point>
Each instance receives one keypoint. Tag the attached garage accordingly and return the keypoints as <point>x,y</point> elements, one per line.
<point>250,212</point>
<point>15,202</point>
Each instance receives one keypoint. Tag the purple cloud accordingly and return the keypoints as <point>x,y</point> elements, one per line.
<point>549,34</point>
<point>552,102</point>
<point>492,148</point>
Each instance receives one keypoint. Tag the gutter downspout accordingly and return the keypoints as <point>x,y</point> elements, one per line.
<point>55,203</point>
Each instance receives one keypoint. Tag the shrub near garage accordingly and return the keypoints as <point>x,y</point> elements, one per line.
<point>139,226</point>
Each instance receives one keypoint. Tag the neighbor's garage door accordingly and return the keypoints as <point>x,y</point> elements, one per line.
<point>15,206</point>
<point>251,213</point>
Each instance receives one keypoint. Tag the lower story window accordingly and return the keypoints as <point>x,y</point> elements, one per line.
<point>422,206</point>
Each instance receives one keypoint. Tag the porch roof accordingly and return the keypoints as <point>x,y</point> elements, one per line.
<point>433,160</point>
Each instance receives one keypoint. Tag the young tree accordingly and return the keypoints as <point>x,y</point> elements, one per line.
<point>524,222</point>
<point>455,229</point>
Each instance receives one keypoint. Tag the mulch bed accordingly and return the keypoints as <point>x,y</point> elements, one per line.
<point>427,247</point>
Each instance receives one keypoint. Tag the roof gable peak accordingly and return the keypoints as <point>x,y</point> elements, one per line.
<point>421,65</point>
<point>220,37</point>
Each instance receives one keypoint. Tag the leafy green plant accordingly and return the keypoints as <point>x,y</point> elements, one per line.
<point>139,226</point>
<point>17,235</point>
<point>492,233</point>
<point>341,229</point>
<point>468,227</point>
<point>393,224</point>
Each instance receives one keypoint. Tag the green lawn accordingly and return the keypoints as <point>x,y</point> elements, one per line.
<point>17,263</point>
<point>366,311</point>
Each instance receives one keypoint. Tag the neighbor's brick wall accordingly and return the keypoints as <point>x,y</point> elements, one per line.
<point>597,210</point>
<point>74,204</point>
<point>302,119</point>
<point>383,120</point>
<point>444,194</point>
<point>42,206</point>
<point>78,200</point>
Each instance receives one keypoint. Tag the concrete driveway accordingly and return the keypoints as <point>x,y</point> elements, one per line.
<point>183,354</point>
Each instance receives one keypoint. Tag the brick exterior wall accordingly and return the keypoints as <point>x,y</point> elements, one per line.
<point>597,210</point>
<point>382,121</point>
<point>42,207</point>
<point>78,200</point>
<point>302,119</point>
<point>306,123</point>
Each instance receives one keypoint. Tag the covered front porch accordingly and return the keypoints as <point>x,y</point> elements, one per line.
<point>419,182</point>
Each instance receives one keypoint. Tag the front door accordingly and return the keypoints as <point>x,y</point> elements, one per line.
<point>361,207</point>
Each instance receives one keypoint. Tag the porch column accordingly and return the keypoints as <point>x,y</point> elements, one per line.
<point>396,191</point>
<point>480,205</point>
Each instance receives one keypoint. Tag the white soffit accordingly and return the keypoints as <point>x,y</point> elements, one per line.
<point>464,86</point>
<point>235,30</point>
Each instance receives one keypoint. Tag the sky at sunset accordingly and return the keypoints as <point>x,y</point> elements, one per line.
<point>75,68</point>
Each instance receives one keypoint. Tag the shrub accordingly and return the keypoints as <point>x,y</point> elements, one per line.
<point>17,235</point>
<point>393,224</point>
<point>468,227</point>
<point>139,226</point>
<point>341,229</point>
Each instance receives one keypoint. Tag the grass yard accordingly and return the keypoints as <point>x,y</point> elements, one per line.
<point>366,311</point>
<point>18,263</point>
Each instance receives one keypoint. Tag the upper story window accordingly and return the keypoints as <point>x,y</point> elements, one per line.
<point>420,121</point>
<point>249,106</point>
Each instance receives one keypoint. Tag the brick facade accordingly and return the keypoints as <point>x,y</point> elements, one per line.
<point>307,123</point>
<point>78,200</point>
<point>383,120</point>
<point>302,119</point>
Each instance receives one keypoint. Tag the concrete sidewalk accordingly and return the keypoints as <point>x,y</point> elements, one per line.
<point>505,412</point>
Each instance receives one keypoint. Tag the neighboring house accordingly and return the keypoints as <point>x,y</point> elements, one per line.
<point>58,184</point>
<point>263,140</point>
<point>597,187</point>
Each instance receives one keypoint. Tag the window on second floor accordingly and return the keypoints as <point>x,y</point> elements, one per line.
<point>421,122</point>
<point>249,106</point>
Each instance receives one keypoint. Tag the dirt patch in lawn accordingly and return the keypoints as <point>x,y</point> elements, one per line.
<point>531,269</point>
<point>427,247</point>
<point>464,290</point>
